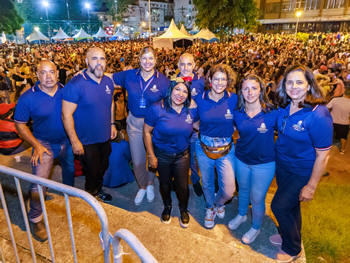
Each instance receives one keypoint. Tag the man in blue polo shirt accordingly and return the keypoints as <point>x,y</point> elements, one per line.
<point>43,104</point>
<point>186,65</point>
<point>87,112</point>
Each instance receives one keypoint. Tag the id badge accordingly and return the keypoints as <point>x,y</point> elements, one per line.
<point>142,103</point>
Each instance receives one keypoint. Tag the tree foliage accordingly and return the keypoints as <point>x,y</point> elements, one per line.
<point>225,15</point>
<point>10,20</point>
<point>117,9</point>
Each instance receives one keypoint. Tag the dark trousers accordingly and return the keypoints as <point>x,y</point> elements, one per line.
<point>95,162</point>
<point>173,167</point>
<point>286,208</point>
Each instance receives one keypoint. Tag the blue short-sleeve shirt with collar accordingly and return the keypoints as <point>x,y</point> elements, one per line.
<point>300,135</point>
<point>197,85</point>
<point>172,131</point>
<point>216,118</point>
<point>92,117</point>
<point>153,90</point>
<point>45,111</point>
<point>256,136</point>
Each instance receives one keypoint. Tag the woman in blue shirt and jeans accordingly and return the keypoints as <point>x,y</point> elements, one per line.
<point>305,134</point>
<point>167,132</point>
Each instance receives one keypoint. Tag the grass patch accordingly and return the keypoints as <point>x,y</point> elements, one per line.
<point>326,224</point>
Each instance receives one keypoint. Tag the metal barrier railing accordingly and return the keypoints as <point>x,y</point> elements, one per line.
<point>105,238</point>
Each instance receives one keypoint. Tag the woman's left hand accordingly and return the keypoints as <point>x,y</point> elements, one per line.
<point>307,193</point>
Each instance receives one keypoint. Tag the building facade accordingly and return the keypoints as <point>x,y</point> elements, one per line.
<point>316,15</point>
<point>185,12</point>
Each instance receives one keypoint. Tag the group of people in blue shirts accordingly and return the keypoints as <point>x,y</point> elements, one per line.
<point>175,125</point>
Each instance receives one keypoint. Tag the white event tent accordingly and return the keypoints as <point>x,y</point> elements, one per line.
<point>36,35</point>
<point>184,31</point>
<point>81,35</point>
<point>205,34</point>
<point>167,39</point>
<point>61,35</point>
<point>101,33</point>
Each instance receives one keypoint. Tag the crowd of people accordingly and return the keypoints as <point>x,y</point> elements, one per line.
<point>180,109</point>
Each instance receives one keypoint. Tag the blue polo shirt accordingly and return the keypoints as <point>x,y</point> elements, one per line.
<point>92,117</point>
<point>153,90</point>
<point>256,137</point>
<point>216,118</point>
<point>172,131</point>
<point>197,85</point>
<point>300,135</point>
<point>45,111</point>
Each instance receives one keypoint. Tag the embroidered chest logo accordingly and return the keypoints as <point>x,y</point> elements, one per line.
<point>189,119</point>
<point>298,126</point>
<point>262,128</point>
<point>194,92</point>
<point>228,115</point>
<point>108,90</point>
<point>154,88</point>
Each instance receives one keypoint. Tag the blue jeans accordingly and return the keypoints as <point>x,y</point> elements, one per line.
<point>253,182</point>
<point>63,152</point>
<point>226,176</point>
<point>194,167</point>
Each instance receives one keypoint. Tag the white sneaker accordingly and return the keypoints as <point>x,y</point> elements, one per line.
<point>220,211</point>
<point>139,196</point>
<point>236,222</point>
<point>210,215</point>
<point>250,236</point>
<point>150,193</point>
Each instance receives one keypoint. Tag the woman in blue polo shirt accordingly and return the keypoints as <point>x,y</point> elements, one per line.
<point>302,148</point>
<point>214,147</point>
<point>255,120</point>
<point>167,133</point>
<point>144,86</point>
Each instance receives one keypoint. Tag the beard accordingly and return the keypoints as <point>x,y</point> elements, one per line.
<point>98,70</point>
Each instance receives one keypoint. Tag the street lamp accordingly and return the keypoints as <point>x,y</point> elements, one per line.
<point>88,7</point>
<point>46,5</point>
<point>298,15</point>
<point>36,28</point>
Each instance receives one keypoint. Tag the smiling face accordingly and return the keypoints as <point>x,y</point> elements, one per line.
<point>147,62</point>
<point>218,82</point>
<point>186,65</point>
<point>251,91</point>
<point>296,86</point>
<point>179,94</point>
<point>47,74</point>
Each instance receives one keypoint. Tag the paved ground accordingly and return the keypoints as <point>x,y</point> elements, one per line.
<point>123,198</point>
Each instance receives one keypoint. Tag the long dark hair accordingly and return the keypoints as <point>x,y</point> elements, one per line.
<point>265,103</point>
<point>173,84</point>
<point>313,96</point>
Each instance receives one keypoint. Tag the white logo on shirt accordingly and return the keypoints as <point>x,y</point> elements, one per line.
<point>189,119</point>
<point>108,90</point>
<point>298,126</point>
<point>262,128</point>
<point>154,88</point>
<point>194,92</point>
<point>228,115</point>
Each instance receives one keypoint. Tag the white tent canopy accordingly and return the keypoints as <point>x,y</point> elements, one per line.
<point>81,34</point>
<point>60,35</point>
<point>205,34</point>
<point>167,39</point>
<point>184,31</point>
<point>37,35</point>
<point>100,33</point>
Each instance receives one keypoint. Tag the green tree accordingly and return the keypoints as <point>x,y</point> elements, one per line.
<point>10,20</point>
<point>117,9</point>
<point>225,15</point>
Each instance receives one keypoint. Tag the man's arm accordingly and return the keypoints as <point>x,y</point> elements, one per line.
<point>68,108</point>
<point>27,135</point>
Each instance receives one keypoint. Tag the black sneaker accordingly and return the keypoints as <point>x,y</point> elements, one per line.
<point>103,197</point>
<point>198,189</point>
<point>165,217</point>
<point>184,219</point>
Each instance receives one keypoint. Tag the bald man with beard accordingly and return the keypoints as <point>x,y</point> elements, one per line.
<point>43,104</point>
<point>87,113</point>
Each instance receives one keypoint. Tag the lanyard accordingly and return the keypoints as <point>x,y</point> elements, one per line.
<point>143,89</point>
